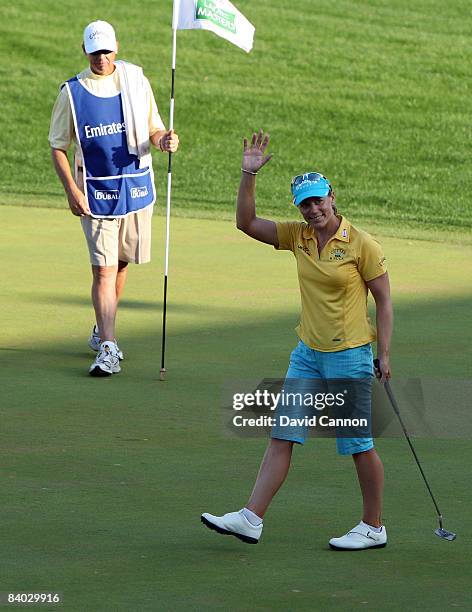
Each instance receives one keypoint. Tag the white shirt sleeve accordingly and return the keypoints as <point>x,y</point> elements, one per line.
<point>61,130</point>
<point>155,121</point>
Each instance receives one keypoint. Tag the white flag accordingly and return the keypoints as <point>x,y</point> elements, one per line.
<point>219,16</point>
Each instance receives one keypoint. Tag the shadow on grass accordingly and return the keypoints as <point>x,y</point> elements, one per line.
<point>84,301</point>
<point>432,338</point>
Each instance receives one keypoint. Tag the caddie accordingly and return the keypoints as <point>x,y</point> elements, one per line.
<point>109,113</point>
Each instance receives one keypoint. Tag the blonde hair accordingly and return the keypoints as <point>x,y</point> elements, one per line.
<point>335,208</point>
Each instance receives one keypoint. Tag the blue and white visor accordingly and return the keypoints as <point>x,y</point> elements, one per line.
<point>309,185</point>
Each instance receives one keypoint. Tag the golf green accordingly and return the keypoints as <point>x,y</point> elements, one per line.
<point>103,480</point>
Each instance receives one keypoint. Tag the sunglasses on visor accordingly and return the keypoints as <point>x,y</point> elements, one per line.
<point>312,177</point>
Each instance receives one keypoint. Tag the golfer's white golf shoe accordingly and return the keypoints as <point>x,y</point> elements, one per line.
<point>107,361</point>
<point>235,524</point>
<point>94,342</point>
<point>360,538</point>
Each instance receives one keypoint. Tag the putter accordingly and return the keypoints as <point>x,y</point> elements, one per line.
<point>441,532</point>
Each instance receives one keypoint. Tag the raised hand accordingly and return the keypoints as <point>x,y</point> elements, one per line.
<point>254,154</point>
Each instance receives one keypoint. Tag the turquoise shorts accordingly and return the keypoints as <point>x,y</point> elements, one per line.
<point>307,363</point>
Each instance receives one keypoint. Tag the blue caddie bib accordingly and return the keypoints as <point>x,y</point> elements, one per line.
<point>115,185</point>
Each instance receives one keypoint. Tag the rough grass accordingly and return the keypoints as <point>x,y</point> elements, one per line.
<point>375,94</point>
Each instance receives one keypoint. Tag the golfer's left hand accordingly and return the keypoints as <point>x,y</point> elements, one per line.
<point>382,369</point>
<point>169,142</point>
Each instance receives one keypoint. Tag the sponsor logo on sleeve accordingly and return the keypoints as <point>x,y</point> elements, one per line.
<point>304,248</point>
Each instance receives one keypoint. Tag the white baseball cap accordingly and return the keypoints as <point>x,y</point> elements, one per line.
<point>99,35</point>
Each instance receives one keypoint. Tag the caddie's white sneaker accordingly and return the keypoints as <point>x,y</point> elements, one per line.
<point>107,361</point>
<point>360,538</point>
<point>94,342</point>
<point>235,524</point>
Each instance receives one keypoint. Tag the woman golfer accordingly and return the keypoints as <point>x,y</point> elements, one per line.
<point>337,265</point>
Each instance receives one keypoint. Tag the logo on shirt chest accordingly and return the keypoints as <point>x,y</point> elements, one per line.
<point>104,129</point>
<point>337,254</point>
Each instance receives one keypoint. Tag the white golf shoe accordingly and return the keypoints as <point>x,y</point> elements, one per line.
<point>360,538</point>
<point>107,361</point>
<point>94,342</point>
<point>235,524</point>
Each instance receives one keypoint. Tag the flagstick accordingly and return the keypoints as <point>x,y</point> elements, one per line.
<point>169,186</point>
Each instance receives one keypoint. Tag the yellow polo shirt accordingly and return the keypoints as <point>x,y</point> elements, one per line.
<point>333,292</point>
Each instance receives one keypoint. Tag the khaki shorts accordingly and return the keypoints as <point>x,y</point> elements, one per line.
<point>121,239</point>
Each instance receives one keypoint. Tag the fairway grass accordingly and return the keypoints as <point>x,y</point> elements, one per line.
<point>103,480</point>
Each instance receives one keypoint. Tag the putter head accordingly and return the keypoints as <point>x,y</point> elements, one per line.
<point>445,534</point>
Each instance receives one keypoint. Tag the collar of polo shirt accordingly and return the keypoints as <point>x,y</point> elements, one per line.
<point>341,234</point>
